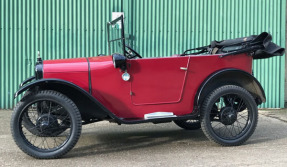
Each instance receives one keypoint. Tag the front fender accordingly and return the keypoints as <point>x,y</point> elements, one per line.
<point>43,82</point>
<point>89,106</point>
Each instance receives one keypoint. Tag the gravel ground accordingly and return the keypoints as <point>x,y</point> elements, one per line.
<point>106,144</point>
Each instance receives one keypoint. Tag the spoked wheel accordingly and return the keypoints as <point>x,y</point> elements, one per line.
<point>190,124</point>
<point>235,119</point>
<point>46,124</point>
<point>35,117</point>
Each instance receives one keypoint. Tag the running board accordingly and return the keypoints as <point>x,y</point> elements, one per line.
<point>157,115</point>
<point>137,121</point>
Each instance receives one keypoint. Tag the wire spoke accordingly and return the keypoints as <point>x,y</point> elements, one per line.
<point>45,125</point>
<point>232,116</point>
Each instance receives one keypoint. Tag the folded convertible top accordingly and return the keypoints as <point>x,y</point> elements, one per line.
<point>259,46</point>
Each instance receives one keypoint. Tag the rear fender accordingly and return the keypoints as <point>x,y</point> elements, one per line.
<point>89,107</point>
<point>234,77</point>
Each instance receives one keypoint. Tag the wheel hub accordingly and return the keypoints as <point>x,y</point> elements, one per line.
<point>47,124</point>
<point>228,115</point>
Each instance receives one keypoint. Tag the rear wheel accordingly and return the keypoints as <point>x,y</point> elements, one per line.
<point>235,119</point>
<point>46,124</point>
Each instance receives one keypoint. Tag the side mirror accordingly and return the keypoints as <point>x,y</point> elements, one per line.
<point>120,61</point>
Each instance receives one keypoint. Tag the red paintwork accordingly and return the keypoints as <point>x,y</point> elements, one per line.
<point>73,70</point>
<point>156,84</point>
<point>166,84</point>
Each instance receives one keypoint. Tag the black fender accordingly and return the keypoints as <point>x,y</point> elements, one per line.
<point>45,82</point>
<point>230,76</point>
<point>89,106</point>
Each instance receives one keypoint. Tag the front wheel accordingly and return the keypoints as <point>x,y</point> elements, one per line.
<point>55,124</point>
<point>235,118</point>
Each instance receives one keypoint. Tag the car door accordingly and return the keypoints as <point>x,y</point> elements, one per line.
<point>158,80</point>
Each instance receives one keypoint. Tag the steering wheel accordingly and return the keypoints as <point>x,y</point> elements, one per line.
<point>134,53</point>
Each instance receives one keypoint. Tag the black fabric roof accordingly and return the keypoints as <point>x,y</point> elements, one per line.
<point>261,46</point>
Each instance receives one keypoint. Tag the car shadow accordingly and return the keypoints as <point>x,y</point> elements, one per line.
<point>111,142</point>
<point>113,139</point>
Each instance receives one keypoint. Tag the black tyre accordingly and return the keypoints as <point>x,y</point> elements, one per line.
<point>190,124</point>
<point>235,119</point>
<point>55,121</point>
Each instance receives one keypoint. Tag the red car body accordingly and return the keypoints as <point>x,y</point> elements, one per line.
<point>156,84</point>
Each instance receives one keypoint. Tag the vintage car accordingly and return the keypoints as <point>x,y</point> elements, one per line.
<point>210,87</point>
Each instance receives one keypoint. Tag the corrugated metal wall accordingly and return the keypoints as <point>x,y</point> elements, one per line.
<point>57,28</point>
<point>155,28</point>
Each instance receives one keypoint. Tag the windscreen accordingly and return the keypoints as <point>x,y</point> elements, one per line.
<point>115,31</point>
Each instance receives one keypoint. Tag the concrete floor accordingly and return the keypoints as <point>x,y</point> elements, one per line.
<point>106,144</point>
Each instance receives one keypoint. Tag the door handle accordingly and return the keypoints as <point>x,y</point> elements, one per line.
<point>183,68</point>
